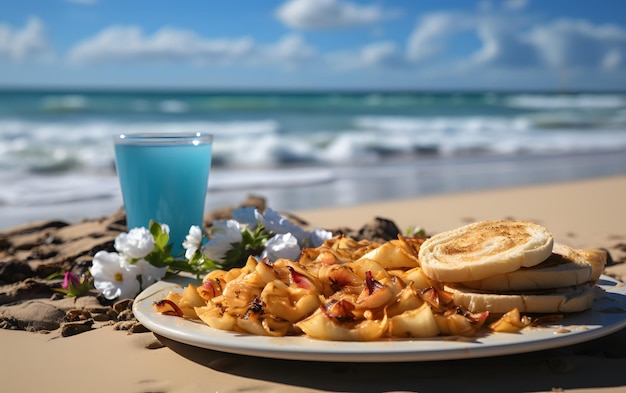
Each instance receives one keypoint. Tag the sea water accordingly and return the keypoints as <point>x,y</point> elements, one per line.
<point>303,150</point>
<point>164,183</point>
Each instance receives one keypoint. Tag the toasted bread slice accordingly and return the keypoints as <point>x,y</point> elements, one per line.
<point>485,248</point>
<point>597,259</point>
<point>564,267</point>
<point>570,299</point>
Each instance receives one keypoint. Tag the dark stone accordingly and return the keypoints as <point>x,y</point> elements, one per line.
<point>380,230</point>
<point>13,271</point>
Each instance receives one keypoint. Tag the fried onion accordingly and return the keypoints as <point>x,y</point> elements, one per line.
<point>344,290</point>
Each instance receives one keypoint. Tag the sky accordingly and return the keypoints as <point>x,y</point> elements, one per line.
<point>564,45</point>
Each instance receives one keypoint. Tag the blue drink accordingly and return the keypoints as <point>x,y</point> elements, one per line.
<point>164,178</point>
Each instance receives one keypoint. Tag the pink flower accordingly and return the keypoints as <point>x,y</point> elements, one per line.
<point>70,280</point>
<point>74,285</point>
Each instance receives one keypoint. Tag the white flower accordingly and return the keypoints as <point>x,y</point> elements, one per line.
<point>276,223</point>
<point>223,235</point>
<point>114,276</point>
<point>229,230</point>
<point>135,244</point>
<point>247,216</point>
<point>216,249</point>
<point>317,237</point>
<point>149,273</point>
<point>282,246</point>
<point>193,241</point>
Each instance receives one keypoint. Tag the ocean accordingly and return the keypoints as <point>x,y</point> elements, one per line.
<point>305,149</point>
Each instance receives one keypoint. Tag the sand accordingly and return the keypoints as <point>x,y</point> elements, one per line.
<point>586,214</point>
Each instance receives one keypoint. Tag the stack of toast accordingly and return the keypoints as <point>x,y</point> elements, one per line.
<point>499,265</point>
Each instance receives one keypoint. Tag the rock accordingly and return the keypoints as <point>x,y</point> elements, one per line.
<point>54,246</point>
<point>122,305</point>
<point>225,213</point>
<point>76,327</point>
<point>33,315</point>
<point>138,328</point>
<point>14,271</point>
<point>30,288</point>
<point>380,230</point>
<point>154,344</point>
<point>37,314</point>
<point>77,314</point>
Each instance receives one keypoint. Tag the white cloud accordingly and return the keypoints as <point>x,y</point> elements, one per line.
<point>503,47</point>
<point>28,43</point>
<point>508,42</point>
<point>429,36</point>
<point>129,44</point>
<point>567,43</point>
<point>499,42</point>
<point>505,42</point>
<point>378,55</point>
<point>330,14</point>
<point>120,44</point>
<point>291,51</point>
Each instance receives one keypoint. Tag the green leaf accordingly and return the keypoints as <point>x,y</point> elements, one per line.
<point>54,275</point>
<point>155,229</point>
<point>168,249</point>
<point>415,231</point>
<point>246,237</point>
<point>162,240</point>
<point>153,258</point>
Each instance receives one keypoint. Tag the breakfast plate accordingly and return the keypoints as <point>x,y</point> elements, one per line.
<point>607,315</point>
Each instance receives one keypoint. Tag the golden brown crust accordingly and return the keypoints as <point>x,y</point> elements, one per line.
<point>483,249</point>
<point>563,268</point>
<point>571,299</point>
<point>482,236</point>
<point>597,259</point>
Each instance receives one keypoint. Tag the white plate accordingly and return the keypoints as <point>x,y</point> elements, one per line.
<point>608,315</point>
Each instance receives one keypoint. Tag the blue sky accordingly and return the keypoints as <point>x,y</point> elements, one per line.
<point>314,44</point>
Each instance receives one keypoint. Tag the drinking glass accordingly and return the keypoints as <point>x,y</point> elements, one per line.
<point>164,178</point>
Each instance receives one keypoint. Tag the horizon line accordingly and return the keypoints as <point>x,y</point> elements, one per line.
<point>293,90</point>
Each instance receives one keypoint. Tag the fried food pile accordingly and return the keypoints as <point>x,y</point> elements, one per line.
<point>344,290</point>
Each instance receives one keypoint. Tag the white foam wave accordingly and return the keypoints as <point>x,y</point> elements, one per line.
<point>500,135</point>
<point>578,101</point>
<point>49,190</point>
<point>53,190</point>
<point>59,146</point>
<point>66,146</point>
<point>221,180</point>
<point>471,124</point>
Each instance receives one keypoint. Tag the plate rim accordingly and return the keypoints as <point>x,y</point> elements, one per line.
<point>198,334</point>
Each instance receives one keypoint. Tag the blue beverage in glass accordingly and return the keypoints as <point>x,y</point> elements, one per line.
<point>164,178</point>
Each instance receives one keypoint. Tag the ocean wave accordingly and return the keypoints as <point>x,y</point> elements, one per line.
<point>70,146</point>
<point>49,190</point>
<point>176,104</point>
<point>65,146</point>
<point>442,125</point>
<point>39,190</point>
<point>567,101</point>
<point>56,148</point>
<point>228,180</point>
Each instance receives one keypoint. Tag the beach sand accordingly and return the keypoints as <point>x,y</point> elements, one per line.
<point>585,214</point>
